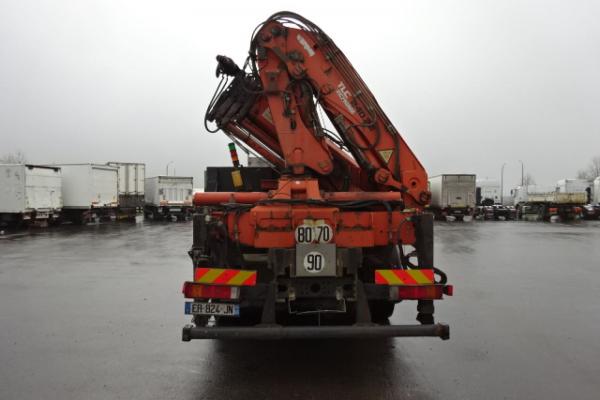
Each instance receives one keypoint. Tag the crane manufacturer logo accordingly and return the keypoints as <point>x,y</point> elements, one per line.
<point>343,94</point>
<point>305,44</point>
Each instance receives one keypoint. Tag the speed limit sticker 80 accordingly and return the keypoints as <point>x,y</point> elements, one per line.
<point>314,231</point>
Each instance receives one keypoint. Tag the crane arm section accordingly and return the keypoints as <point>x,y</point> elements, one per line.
<point>295,68</point>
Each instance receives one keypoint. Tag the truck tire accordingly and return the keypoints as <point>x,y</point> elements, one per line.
<point>381,310</point>
<point>250,316</point>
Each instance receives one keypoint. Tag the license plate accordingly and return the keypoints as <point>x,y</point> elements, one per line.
<point>232,310</point>
<point>175,209</point>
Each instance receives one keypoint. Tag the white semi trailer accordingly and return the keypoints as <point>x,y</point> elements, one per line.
<point>452,195</point>
<point>169,197</point>
<point>536,203</point>
<point>576,186</point>
<point>131,183</point>
<point>89,191</point>
<point>29,194</point>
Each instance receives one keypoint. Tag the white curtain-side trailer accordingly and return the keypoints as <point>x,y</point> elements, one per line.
<point>452,195</point>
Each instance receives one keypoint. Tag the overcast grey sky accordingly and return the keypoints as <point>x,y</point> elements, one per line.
<point>470,84</point>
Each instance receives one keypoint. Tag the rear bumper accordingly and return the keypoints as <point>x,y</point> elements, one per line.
<point>277,332</point>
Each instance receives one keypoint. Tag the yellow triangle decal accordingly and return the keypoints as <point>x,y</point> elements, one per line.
<point>386,154</point>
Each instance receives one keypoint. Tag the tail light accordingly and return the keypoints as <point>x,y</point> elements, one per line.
<point>193,290</point>
<point>422,292</point>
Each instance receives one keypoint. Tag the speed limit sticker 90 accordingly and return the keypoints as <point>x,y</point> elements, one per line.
<point>314,262</point>
<point>314,231</point>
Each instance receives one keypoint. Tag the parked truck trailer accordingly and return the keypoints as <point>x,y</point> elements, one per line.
<point>452,195</point>
<point>590,210</point>
<point>168,197</point>
<point>89,191</point>
<point>29,194</point>
<point>535,203</point>
<point>130,186</point>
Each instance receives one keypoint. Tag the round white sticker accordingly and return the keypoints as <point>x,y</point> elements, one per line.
<point>314,262</point>
<point>313,232</point>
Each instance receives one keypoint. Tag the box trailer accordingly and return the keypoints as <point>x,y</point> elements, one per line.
<point>573,186</point>
<point>29,193</point>
<point>452,195</point>
<point>130,186</point>
<point>89,191</point>
<point>168,197</point>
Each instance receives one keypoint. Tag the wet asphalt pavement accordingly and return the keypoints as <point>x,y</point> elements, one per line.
<point>96,312</point>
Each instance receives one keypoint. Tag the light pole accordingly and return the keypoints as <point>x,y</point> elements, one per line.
<point>522,173</point>
<point>169,163</point>
<point>502,184</point>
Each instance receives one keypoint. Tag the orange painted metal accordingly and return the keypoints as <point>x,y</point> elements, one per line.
<point>345,97</point>
<point>214,198</point>
<point>376,166</point>
<point>273,224</point>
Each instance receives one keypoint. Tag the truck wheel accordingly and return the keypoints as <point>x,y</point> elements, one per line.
<point>250,316</point>
<point>381,310</point>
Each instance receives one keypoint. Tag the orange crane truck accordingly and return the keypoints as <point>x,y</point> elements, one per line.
<point>339,237</point>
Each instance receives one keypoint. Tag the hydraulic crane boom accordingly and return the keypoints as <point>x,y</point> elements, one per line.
<point>295,67</point>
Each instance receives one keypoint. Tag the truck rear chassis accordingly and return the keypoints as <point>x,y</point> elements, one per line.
<point>280,301</point>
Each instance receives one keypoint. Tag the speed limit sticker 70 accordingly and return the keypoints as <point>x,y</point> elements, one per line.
<point>314,231</point>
